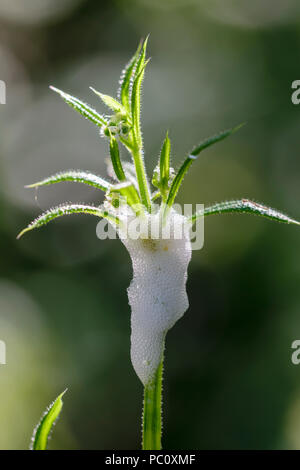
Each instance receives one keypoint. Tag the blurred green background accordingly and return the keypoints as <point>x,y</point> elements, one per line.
<point>229,381</point>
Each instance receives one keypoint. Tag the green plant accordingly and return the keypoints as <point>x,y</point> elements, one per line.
<point>42,431</point>
<point>157,294</point>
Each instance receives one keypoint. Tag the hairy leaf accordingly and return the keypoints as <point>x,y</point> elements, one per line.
<point>136,93</point>
<point>67,209</point>
<point>214,139</point>
<point>77,176</point>
<point>137,151</point>
<point>110,102</point>
<point>125,80</point>
<point>115,159</point>
<point>136,104</point>
<point>244,206</point>
<point>43,429</point>
<point>192,157</point>
<point>164,164</point>
<point>84,109</point>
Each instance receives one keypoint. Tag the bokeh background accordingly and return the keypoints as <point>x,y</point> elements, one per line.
<point>229,381</point>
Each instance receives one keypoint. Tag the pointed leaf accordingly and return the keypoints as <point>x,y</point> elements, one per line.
<point>164,164</point>
<point>136,94</point>
<point>192,157</point>
<point>67,209</point>
<point>244,206</point>
<point>77,176</point>
<point>110,102</point>
<point>126,80</point>
<point>43,429</point>
<point>214,139</point>
<point>137,141</point>
<point>136,106</point>
<point>115,159</point>
<point>84,109</point>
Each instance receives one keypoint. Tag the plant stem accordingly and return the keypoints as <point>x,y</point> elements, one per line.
<point>152,414</point>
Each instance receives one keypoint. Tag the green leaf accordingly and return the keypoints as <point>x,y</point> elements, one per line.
<point>137,150</point>
<point>136,98</point>
<point>214,139</point>
<point>110,102</point>
<point>244,206</point>
<point>115,159</point>
<point>84,109</point>
<point>77,176</point>
<point>125,80</point>
<point>136,93</point>
<point>155,195</point>
<point>191,158</point>
<point>128,191</point>
<point>164,164</point>
<point>43,429</point>
<point>68,209</point>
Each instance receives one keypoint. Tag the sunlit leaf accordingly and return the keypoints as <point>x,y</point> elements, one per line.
<point>244,206</point>
<point>77,176</point>
<point>43,429</point>
<point>82,108</point>
<point>137,150</point>
<point>136,94</point>
<point>110,102</point>
<point>125,80</point>
<point>67,209</point>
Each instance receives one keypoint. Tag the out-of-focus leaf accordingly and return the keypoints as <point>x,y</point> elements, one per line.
<point>43,429</point>
<point>192,157</point>
<point>214,139</point>
<point>155,195</point>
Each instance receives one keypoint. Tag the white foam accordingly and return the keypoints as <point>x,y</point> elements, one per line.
<point>157,293</point>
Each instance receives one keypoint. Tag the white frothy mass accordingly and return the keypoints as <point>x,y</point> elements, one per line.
<point>157,293</point>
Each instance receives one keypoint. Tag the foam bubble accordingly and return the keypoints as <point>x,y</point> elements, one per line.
<point>157,293</point>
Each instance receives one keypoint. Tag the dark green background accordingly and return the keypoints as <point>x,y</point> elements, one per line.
<point>229,381</point>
